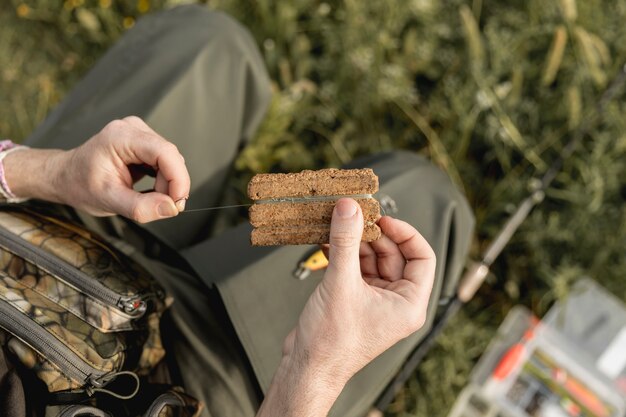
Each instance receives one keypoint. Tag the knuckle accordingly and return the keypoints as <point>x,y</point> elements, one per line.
<point>163,146</point>
<point>114,127</point>
<point>342,238</point>
<point>171,148</point>
<point>138,215</point>
<point>132,119</point>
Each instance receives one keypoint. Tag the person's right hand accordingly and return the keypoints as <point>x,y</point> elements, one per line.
<point>372,296</point>
<point>98,176</point>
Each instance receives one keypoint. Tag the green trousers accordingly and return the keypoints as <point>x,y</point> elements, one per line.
<point>197,78</point>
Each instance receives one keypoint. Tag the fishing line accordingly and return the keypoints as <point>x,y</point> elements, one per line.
<point>215,208</point>
<point>312,199</point>
<point>304,199</point>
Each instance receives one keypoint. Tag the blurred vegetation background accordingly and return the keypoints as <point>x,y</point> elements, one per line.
<point>489,90</point>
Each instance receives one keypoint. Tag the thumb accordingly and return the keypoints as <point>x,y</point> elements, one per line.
<point>346,229</point>
<point>143,207</point>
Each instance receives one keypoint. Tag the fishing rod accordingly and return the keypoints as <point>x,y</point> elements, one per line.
<point>477,271</point>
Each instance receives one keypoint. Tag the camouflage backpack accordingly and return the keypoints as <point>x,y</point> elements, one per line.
<point>79,313</point>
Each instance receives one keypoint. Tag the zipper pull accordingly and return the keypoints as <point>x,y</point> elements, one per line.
<point>95,384</point>
<point>134,306</point>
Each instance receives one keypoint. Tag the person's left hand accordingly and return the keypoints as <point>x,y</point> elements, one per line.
<point>372,295</point>
<point>98,176</point>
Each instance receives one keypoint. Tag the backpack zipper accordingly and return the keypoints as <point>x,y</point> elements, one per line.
<point>135,306</point>
<point>31,333</point>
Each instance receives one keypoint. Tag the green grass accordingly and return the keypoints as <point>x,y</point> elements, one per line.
<point>491,91</point>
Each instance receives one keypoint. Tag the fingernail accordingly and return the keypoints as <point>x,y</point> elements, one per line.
<point>167,209</point>
<point>345,208</point>
<point>180,204</point>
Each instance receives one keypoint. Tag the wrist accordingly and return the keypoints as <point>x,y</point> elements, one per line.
<point>321,377</point>
<point>34,173</point>
<point>300,388</point>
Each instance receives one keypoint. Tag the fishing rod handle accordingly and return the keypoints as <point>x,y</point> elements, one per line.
<point>472,280</point>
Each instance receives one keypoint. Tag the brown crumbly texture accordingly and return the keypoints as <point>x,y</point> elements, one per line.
<point>304,235</point>
<point>298,214</point>
<point>298,223</point>
<point>330,181</point>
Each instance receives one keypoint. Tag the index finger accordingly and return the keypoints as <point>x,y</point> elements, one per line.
<point>164,157</point>
<point>421,260</point>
